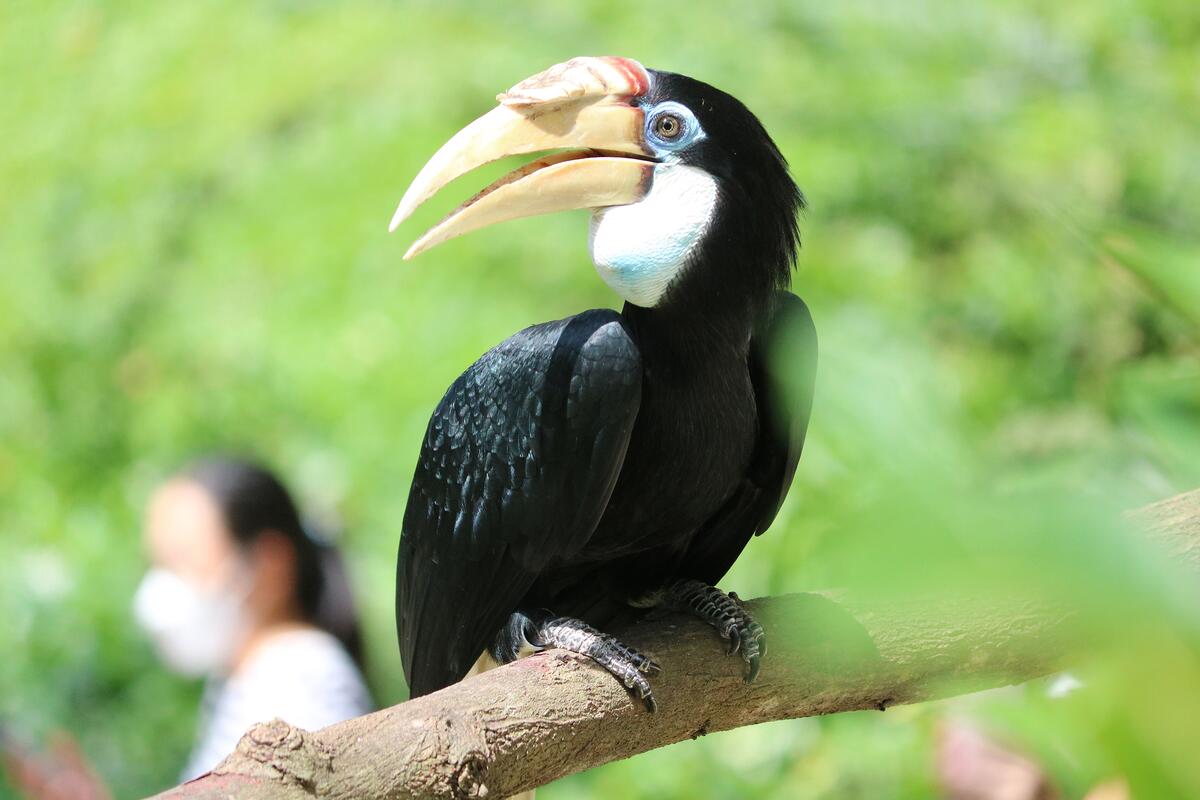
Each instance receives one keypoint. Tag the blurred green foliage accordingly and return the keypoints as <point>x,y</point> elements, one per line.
<point>1002,252</point>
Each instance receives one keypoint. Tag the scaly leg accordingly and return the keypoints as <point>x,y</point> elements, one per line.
<point>626,664</point>
<point>527,633</point>
<point>725,613</point>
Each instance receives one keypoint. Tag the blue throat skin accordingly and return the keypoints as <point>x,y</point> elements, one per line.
<point>640,250</point>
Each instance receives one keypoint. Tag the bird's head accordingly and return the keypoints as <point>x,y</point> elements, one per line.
<point>687,189</point>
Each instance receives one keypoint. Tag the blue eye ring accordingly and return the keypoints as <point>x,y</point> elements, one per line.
<point>671,126</point>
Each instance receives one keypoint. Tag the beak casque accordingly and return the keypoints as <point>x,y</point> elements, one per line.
<point>584,106</point>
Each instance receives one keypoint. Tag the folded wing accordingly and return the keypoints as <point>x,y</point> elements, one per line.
<point>517,467</point>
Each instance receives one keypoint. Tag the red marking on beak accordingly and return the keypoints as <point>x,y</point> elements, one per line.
<point>635,72</point>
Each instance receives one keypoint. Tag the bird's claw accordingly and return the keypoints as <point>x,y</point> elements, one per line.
<point>633,676</point>
<point>648,700</point>
<point>726,613</point>
<point>747,636</point>
<point>621,661</point>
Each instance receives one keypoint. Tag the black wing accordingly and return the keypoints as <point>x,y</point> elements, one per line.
<point>783,423</point>
<point>517,467</point>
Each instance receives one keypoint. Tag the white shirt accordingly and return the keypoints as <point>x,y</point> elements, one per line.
<point>303,676</point>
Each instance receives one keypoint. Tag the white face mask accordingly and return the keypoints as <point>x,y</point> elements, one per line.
<point>195,631</point>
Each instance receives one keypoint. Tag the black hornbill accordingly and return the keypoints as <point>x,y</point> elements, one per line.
<point>587,469</point>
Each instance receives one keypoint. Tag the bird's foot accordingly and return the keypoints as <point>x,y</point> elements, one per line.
<point>625,664</point>
<point>725,613</point>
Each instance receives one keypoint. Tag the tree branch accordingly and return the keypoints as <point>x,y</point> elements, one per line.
<point>554,714</point>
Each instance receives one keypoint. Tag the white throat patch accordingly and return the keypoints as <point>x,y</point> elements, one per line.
<point>640,248</point>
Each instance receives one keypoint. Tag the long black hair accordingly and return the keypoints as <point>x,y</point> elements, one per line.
<point>253,501</point>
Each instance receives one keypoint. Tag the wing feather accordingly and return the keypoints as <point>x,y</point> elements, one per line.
<point>783,423</point>
<point>517,467</point>
<point>783,415</point>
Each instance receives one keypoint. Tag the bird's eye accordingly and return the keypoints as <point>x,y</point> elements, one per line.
<point>671,127</point>
<point>668,126</point>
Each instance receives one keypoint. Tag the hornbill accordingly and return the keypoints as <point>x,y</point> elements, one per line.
<point>588,469</point>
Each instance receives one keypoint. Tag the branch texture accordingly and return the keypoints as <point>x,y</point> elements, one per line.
<point>553,714</point>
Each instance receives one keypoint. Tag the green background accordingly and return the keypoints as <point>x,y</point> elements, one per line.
<point>1002,254</point>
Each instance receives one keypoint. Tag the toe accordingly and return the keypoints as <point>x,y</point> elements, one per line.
<point>752,672</point>
<point>753,649</point>
<point>646,695</point>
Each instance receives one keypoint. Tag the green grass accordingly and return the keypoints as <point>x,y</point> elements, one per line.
<point>1001,252</point>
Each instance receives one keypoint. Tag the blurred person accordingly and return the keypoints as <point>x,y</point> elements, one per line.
<point>237,593</point>
<point>240,594</point>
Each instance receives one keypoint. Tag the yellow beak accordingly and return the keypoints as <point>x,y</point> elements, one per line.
<point>584,106</point>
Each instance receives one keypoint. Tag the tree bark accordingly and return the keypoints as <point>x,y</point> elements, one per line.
<point>553,714</point>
